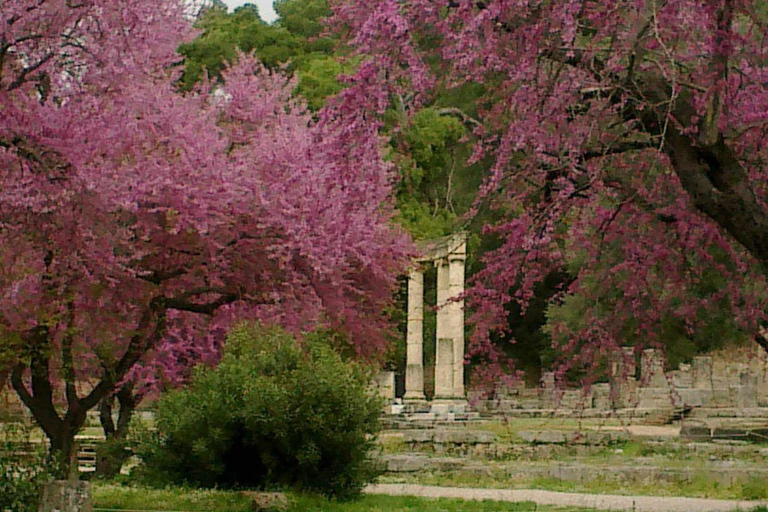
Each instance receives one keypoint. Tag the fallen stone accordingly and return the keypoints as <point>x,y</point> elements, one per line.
<point>267,501</point>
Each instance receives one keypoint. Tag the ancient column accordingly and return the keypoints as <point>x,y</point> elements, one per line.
<point>455,312</point>
<point>444,369</point>
<point>414,369</point>
<point>443,360</point>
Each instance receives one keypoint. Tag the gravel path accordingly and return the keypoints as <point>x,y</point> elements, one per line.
<point>569,499</point>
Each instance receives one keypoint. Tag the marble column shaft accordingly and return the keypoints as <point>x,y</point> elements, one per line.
<point>414,370</point>
<point>443,361</point>
<point>456,319</point>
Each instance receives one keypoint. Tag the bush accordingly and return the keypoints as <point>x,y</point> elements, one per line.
<point>23,469</point>
<point>274,413</point>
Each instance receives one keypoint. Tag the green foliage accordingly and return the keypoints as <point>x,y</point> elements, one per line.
<point>23,469</point>
<point>318,78</point>
<point>295,41</point>
<point>437,184</point>
<point>713,330</point>
<point>273,413</point>
<point>223,34</point>
<point>304,18</point>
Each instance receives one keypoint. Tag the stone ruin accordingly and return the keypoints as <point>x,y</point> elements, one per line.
<point>709,384</point>
<point>448,255</point>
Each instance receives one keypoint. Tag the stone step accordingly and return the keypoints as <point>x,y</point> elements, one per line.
<point>722,473</point>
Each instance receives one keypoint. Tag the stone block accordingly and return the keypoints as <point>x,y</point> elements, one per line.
<point>463,436</point>
<point>384,383</point>
<point>419,436</point>
<point>544,436</point>
<point>701,370</point>
<point>655,398</point>
<point>66,496</point>
<point>683,377</point>
<point>405,463</point>
<point>267,501</point>
<point>696,433</point>
<point>601,396</point>
<point>652,369</point>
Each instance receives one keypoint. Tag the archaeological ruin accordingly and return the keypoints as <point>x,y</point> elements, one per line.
<point>639,384</point>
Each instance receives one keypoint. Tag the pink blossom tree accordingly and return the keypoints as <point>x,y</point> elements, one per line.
<point>630,137</point>
<point>137,223</point>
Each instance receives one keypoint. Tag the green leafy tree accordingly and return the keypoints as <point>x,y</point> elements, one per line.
<point>295,41</point>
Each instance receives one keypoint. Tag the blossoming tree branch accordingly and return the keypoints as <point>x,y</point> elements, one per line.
<point>136,222</point>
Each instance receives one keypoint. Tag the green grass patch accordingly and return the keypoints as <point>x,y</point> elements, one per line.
<point>196,500</point>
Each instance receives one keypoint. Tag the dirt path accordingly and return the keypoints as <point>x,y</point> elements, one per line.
<point>569,499</point>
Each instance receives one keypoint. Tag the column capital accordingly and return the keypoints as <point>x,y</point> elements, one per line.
<point>440,262</point>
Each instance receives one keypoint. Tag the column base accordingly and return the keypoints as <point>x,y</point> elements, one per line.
<point>449,407</point>
<point>450,399</point>
<point>414,396</point>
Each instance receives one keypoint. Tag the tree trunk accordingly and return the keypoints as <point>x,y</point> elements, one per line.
<point>64,452</point>
<point>111,456</point>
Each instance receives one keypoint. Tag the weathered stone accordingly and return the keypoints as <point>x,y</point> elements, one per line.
<point>66,496</point>
<point>267,501</point>
<point>601,396</point>
<point>385,385</point>
<point>444,369</point>
<point>702,372</point>
<point>652,369</point>
<point>544,436</point>
<point>464,437</point>
<point>682,378</point>
<point>696,433</point>
<point>414,371</point>
<point>406,463</point>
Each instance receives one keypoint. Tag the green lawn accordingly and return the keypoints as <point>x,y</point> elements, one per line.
<point>193,500</point>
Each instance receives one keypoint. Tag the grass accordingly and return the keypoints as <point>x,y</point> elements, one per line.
<point>195,500</point>
<point>697,487</point>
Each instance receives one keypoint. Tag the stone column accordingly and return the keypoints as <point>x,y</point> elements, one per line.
<point>444,369</point>
<point>455,311</point>
<point>414,369</point>
<point>443,361</point>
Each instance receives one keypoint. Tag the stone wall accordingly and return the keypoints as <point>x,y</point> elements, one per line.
<point>738,380</point>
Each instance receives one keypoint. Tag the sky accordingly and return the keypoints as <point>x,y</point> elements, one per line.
<point>266,11</point>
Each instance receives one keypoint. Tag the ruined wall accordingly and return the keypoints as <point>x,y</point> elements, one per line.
<point>737,379</point>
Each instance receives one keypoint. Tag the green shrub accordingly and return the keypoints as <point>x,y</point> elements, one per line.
<point>23,469</point>
<point>273,413</point>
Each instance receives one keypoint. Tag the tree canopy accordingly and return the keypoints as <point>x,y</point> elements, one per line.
<point>629,141</point>
<point>136,222</point>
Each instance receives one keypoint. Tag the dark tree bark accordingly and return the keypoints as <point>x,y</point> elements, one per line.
<point>110,459</point>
